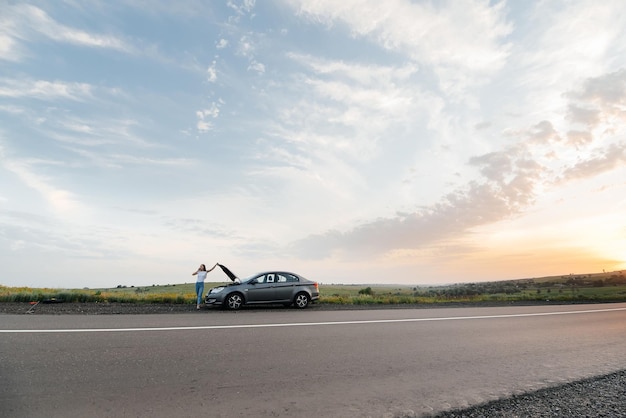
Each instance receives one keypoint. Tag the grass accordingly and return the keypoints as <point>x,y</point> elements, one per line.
<point>470,293</point>
<point>590,288</point>
<point>184,293</point>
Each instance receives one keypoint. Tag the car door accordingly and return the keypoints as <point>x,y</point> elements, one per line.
<point>285,284</point>
<point>263,290</point>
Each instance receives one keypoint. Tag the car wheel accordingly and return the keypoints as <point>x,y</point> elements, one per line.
<point>301,301</point>
<point>234,301</point>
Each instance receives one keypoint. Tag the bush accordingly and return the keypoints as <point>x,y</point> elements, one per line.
<point>366,291</point>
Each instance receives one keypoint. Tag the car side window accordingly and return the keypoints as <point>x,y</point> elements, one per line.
<point>291,278</point>
<point>269,278</point>
<point>281,278</point>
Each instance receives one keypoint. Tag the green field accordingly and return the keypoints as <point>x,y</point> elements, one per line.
<point>584,287</point>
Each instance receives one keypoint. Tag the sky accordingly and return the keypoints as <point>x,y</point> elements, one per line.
<point>397,142</point>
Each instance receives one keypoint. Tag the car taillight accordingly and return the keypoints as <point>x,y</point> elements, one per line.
<point>316,286</point>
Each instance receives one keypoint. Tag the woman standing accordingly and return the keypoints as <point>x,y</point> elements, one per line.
<point>201,273</point>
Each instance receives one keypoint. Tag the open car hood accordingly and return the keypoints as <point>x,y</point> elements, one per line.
<point>227,272</point>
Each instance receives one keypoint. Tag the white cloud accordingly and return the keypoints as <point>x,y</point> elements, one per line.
<point>44,90</point>
<point>204,124</point>
<point>353,108</point>
<point>212,72</point>
<point>40,21</point>
<point>246,47</point>
<point>213,111</point>
<point>511,180</point>
<point>90,158</point>
<point>462,41</point>
<point>14,110</point>
<point>8,47</point>
<point>59,199</point>
<point>241,7</point>
<point>256,67</point>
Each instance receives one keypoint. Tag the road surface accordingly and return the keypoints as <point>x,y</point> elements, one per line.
<point>310,363</point>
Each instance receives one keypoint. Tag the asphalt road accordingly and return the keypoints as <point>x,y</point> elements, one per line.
<point>311,363</point>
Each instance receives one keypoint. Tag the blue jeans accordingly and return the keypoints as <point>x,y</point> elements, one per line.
<point>199,291</point>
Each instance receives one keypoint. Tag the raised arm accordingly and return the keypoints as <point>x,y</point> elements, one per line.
<point>212,267</point>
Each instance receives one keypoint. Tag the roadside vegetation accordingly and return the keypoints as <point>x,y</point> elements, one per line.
<point>177,293</point>
<point>601,287</point>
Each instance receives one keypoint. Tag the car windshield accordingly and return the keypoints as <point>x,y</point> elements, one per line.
<point>257,276</point>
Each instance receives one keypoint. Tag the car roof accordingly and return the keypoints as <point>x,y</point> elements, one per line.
<point>276,272</point>
<point>299,276</point>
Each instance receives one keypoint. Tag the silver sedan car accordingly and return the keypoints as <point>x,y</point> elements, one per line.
<point>268,287</point>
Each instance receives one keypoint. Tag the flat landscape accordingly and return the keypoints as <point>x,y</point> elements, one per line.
<point>579,288</point>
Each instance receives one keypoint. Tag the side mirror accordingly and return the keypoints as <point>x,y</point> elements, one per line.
<point>254,281</point>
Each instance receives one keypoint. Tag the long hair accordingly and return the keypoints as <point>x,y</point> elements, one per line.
<point>202,267</point>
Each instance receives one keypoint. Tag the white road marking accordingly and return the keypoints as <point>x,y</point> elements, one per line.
<point>302,324</point>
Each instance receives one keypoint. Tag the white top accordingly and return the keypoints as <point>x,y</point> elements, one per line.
<point>201,276</point>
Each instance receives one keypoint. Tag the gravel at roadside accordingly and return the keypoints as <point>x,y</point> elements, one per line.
<point>603,396</point>
<point>92,308</point>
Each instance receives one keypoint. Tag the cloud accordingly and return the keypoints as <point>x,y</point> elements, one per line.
<point>604,160</point>
<point>510,180</point>
<point>588,117</point>
<point>9,49</point>
<point>203,124</point>
<point>246,47</point>
<point>350,107</point>
<point>27,24</point>
<point>510,187</point>
<point>23,22</point>
<point>88,132</point>
<point>354,109</point>
<point>44,90</point>
<point>13,110</point>
<point>608,90</point>
<point>579,138</point>
<point>59,199</point>
<point>494,166</point>
<point>363,74</point>
<point>599,104</point>
<point>452,217</point>
<point>462,41</point>
<point>543,133</point>
<point>212,72</point>
<point>241,7</point>
<point>39,237</point>
<point>119,160</point>
<point>28,171</point>
<point>256,67</point>
<point>600,101</point>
